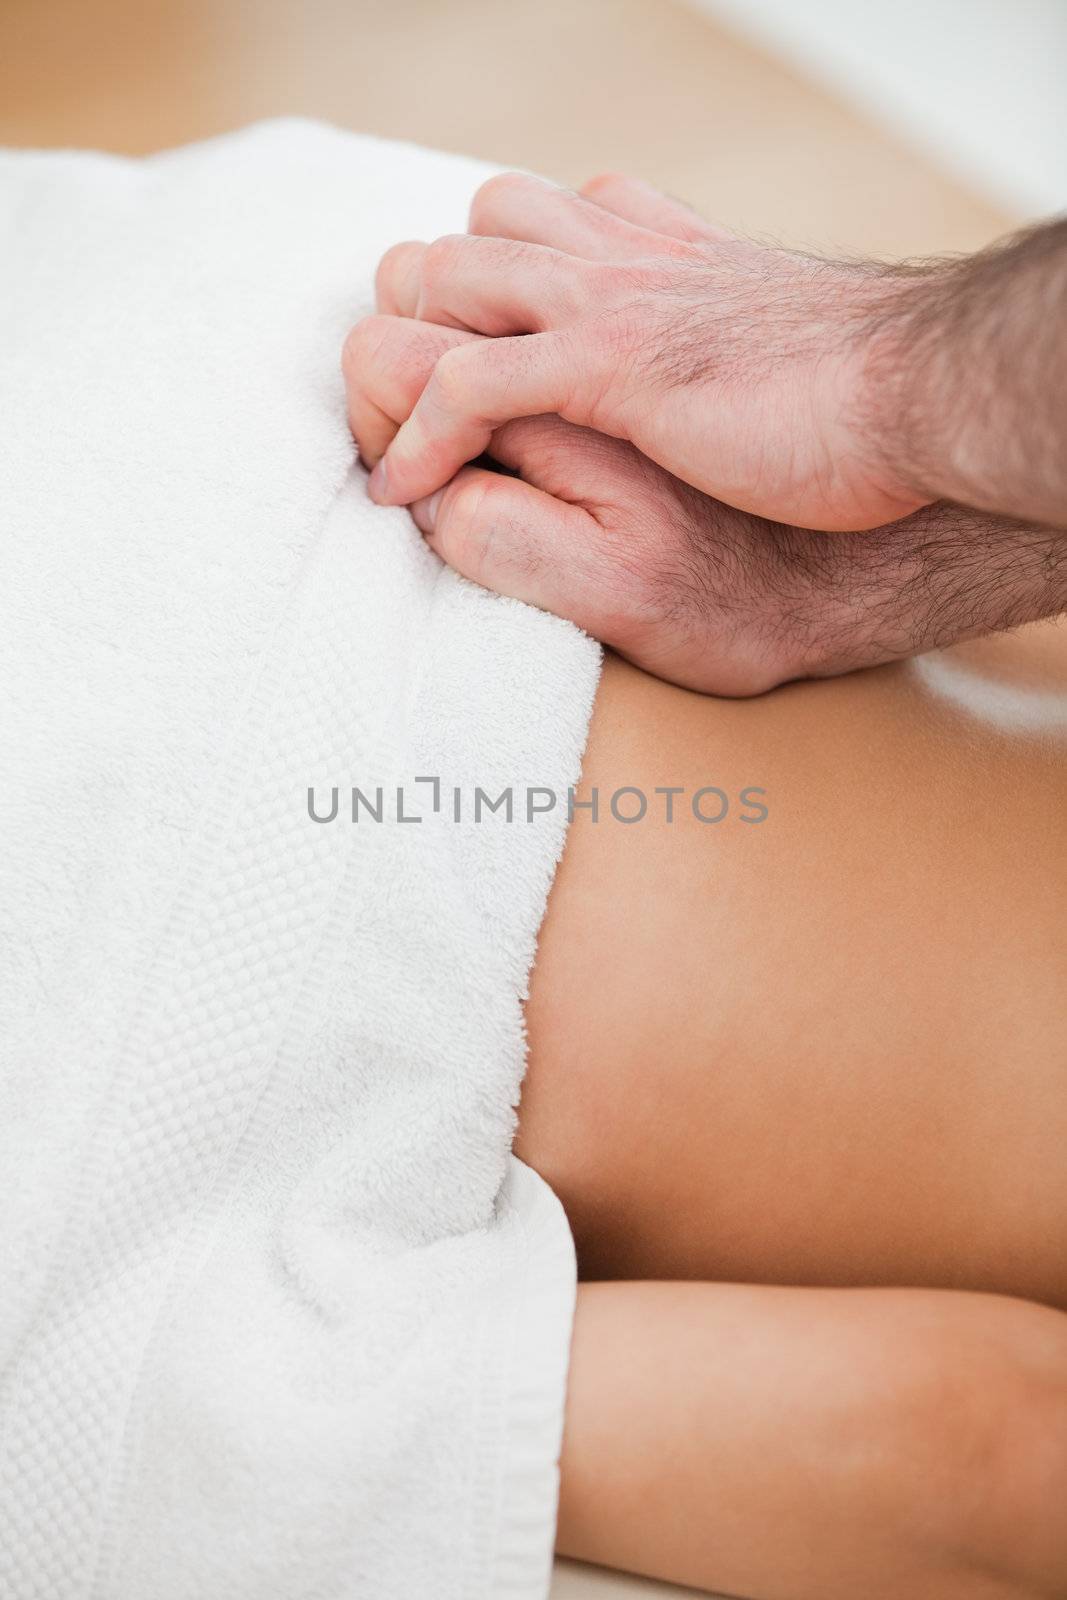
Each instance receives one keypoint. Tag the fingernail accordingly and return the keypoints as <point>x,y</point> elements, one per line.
<point>424,512</point>
<point>378,482</point>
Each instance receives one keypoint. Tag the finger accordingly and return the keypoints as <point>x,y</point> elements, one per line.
<point>387,362</point>
<point>472,392</point>
<point>372,428</point>
<point>519,541</point>
<point>504,286</point>
<point>577,464</point>
<point>640,203</point>
<point>396,283</point>
<point>514,206</point>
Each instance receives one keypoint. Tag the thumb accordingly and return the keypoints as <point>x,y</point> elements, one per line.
<point>519,541</point>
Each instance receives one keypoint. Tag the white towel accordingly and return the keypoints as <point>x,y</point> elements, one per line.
<point>280,1316</point>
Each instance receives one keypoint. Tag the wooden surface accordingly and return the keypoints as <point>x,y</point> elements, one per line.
<point>575,1581</point>
<point>568,87</point>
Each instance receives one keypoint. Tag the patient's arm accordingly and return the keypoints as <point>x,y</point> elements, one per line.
<point>788,1444</point>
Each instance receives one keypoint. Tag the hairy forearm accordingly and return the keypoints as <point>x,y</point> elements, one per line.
<point>965,397</point>
<point>944,574</point>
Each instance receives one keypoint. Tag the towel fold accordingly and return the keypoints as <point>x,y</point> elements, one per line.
<point>281,1315</point>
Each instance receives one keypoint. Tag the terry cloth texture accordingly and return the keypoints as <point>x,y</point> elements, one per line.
<point>281,1315</point>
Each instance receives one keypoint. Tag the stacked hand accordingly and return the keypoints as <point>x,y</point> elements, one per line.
<point>679,409</point>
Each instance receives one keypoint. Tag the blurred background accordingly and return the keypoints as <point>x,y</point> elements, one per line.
<point>885,126</point>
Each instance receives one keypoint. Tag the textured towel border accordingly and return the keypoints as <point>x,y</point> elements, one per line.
<point>541,1316</point>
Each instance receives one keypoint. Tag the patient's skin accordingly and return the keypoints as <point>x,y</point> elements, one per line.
<point>828,1049</point>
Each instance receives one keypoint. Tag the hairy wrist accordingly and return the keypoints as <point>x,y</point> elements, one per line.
<point>903,356</point>
<point>942,575</point>
<point>960,395</point>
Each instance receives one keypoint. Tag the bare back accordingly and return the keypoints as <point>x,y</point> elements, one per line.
<point>829,1047</point>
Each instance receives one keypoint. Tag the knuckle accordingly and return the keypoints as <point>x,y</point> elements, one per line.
<point>492,195</point>
<point>351,353</point>
<point>687,248</point>
<point>396,268</point>
<point>456,376</point>
<point>600,182</point>
<point>459,511</point>
<point>440,258</point>
<point>476,509</point>
<point>362,342</point>
<point>389,262</point>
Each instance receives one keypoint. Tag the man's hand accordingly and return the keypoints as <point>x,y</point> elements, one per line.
<point>690,589</point>
<point>827,394</point>
<point>742,370</point>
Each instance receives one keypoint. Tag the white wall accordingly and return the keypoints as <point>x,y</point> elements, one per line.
<point>981,85</point>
